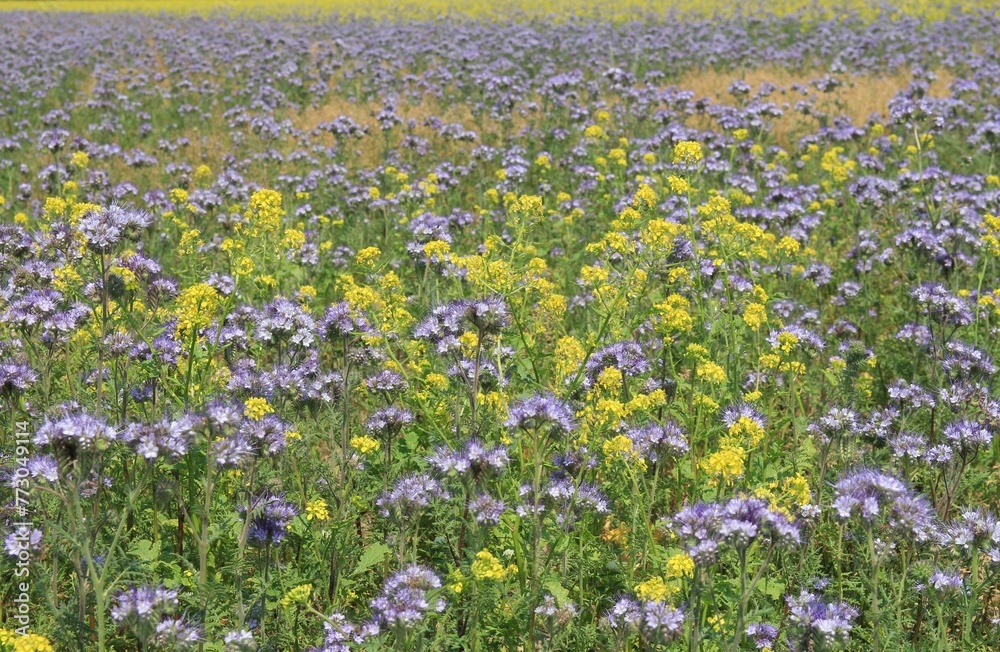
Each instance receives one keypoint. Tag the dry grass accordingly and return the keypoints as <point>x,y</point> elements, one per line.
<point>859,98</point>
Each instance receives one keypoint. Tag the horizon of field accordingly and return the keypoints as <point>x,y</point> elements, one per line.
<point>621,10</point>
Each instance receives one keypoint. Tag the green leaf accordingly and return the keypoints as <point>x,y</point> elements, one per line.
<point>373,554</point>
<point>145,550</point>
<point>553,586</point>
<point>772,589</point>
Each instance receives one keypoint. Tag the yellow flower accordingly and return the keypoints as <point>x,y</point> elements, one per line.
<point>711,372</point>
<point>593,275</point>
<point>455,580</point>
<point>755,316</point>
<point>264,212</point>
<point>365,444</point>
<point>619,445</point>
<point>788,245</point>
<point>593,132</point>
<point>680,565</point>
<point>197,306</point>
<point>569,354</point>
<point>189,242</point>
<point>293,239</point>
<point>678,185</point>
<point>202,174</point>
<point>488,567</point>
<point>645,196</point>
<point>653,590</point>
<point>674,315</point>
<point>796,488</point>
<point>725,464</point>
<point>15,642</point>
<point>257,408</point>
<point>610,380</point>
<point>687,151</point>
<point>65,277</point>
<point>80,160</point>
<point>438,248</point>
<point>787,341</point>
<point>55,207</point>
<point>438,381</point>
<point>318,510</point>
<point>299,595</point>
<point>179,196</point>
<point>530,207</point>
<point>838,169</point>
<point>367,256</point>
<point>748,427</point>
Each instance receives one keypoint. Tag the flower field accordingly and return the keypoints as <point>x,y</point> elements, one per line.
<point>501,330</point>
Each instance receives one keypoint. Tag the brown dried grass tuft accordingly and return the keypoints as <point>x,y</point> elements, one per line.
<point>859,98</point>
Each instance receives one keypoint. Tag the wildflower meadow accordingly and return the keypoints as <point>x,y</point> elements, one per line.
<point>499,330</point>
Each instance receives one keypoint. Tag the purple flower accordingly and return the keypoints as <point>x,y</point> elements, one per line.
<point>16,378</point>
<point>626,356</point>
<point>974,529</point>
<point>266,435</point>
<point>943,583</point>
<point>23,539</point>
<point>941,305</point>
<point>269,519</point>
<point>873,496</point>
<point>387,382</point>
<point>732,414</point>
<point>407,597</point>
<point>143,604</point>
<point>474,460</point>
<point>286,321</point>
<point>705,527</point>
<point>175,634</point>
<point>486,509</point>
<point>625,614</point>
<point>232,451</point>
<point>657,622</point>
<point>763,635</point>
<point>388,421</point>
<point>489,315</point>
<point>967,437</point>
<point>442,327</point>
<point>661,623</point>
<point>409,495</point>
<point>654,441</point>
<point>239,641</point>
<point>541,410</point>
<point>342,322</point>
<point>558,614</point>
<point>102,229</point>
<point>76,429</point>
<point>167,438</point>
<point>816,623</point>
